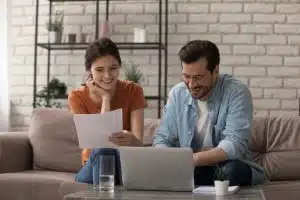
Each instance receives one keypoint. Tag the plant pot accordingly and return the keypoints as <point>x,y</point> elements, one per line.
<point>55,37</point>
<point>221,187</point>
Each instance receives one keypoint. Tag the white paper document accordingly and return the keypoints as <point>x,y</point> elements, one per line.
<point>93,130</point>
<point>211,190</point>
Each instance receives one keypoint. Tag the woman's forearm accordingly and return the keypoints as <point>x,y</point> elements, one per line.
<point>137,125</point>
<point>105,107</point>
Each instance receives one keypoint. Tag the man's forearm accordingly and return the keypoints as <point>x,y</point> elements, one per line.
<point>209,157</point>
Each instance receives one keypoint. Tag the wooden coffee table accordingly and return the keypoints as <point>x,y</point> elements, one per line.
<point>250,193</point>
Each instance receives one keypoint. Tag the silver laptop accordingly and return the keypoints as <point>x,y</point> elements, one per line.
<point>157,168</point>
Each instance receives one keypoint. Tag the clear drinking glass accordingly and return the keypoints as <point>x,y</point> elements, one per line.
<point>104,170</point>
<point>107,172</point>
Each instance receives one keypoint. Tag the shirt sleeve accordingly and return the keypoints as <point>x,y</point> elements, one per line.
<point>237,133</point>
<point>138,98</point>
<point>166,134</point>
<point>75,104</point>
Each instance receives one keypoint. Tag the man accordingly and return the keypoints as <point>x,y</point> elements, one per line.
<point>211,113</point>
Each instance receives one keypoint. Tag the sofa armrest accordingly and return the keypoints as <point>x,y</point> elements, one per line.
<point>15,152</point>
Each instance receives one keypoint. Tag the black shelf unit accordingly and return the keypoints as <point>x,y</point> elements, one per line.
<point>82,46</point>
<point>159,46</point>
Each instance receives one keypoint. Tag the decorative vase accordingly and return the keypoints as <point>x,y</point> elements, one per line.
<point>221,187</point>
<point>105,30</point>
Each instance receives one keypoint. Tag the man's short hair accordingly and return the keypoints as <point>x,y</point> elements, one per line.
<point>197,49</point>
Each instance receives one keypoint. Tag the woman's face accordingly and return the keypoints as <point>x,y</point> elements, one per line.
<point>105,71</point>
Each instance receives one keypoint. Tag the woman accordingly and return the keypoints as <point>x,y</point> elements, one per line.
<point>104,92</point>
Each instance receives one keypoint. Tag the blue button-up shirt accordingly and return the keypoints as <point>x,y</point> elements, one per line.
<point>230,109</point>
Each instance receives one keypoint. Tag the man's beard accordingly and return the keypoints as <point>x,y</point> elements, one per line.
<point>199,92</point>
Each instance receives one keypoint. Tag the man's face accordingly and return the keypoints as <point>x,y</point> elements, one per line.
<point>198,79</point>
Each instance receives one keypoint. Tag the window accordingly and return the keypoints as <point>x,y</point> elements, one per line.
<point>4,57</point>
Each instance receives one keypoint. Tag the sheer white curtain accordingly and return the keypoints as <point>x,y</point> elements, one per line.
<point>4,57</point>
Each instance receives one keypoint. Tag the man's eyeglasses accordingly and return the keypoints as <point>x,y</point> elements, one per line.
<point>196,78</point>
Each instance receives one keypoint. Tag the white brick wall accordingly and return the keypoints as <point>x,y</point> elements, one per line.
<point>258,40</point>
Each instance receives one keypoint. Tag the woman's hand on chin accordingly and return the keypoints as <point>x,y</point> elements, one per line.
<point>125,138</point>
<point>96,92</point>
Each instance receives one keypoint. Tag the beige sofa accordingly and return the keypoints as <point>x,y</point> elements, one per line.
<point>41,164</point>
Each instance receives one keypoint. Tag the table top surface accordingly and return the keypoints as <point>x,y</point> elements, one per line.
<point>249,193</point>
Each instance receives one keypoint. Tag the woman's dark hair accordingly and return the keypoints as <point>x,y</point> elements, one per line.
<point>196,49</point>
<point>99,48</point>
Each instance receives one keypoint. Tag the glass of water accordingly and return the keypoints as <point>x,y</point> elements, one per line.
<point>107,170</point>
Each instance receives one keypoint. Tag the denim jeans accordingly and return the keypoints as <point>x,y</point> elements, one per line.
<point>238,173</point>
<point>85,174</point>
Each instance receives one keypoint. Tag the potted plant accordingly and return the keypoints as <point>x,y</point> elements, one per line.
<point>132,72</point>
<point>57,88</point>
<point>221,183</point>
<point>55,27</point>
<point>47,102</point>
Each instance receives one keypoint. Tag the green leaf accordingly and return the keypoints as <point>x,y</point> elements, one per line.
<point>132,72</point>
<point>220,173</point>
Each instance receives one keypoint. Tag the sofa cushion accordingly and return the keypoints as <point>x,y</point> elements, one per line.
<point>281,160</point>
<point>259,138</point>
<point>38,185</point>
<point>53,137</point>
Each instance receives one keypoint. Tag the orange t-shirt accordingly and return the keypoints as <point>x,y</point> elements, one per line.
<point>129,96</point>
